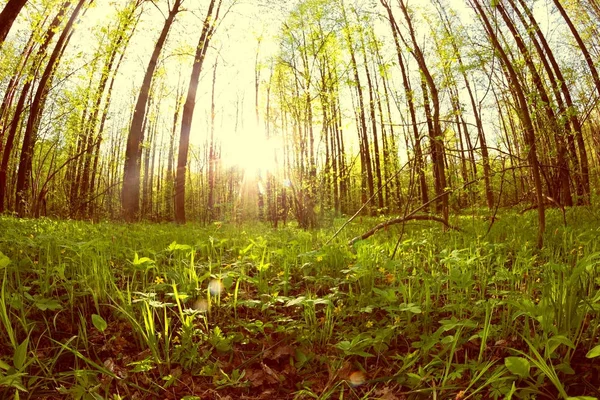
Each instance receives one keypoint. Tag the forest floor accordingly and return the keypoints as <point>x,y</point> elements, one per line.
<point>159,311</point>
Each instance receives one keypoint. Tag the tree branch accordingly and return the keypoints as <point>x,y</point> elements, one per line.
<point>399,220</point>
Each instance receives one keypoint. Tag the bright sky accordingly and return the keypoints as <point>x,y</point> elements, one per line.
<point>234,45</point>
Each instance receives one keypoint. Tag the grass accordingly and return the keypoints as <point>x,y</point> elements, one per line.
<point>144,311</point>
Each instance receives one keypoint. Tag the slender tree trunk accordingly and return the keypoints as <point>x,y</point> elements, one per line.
<point>15,122</point>
<point>564,191</point>
<point>485,158</point>
<point>436,137</point>
<point>419,159</point>
<point>130,197</point>
<point>35,113</point>
<point>8,15</point>
<point>529,134</point>
<point>188,109</point>
<point>583,187</point>
<point>212,215</point>
<point>586,54</point>
<point>367,185</point>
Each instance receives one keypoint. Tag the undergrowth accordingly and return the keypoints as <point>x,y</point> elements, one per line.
<point>144,311</point>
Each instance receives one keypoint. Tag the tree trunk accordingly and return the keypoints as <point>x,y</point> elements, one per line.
<point>571,111</point>
<point>188,109</point>
<point>436,137</point>
<point>419,161</point>
<point>130,197</point>
<point>35,113</point>
<point>8,15</point>
<point>529,134</point>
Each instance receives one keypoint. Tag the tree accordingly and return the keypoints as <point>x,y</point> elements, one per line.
<point>14,123</point>
<point>525,117</point>
<point>8,16</point>
<point>409,93</point>
<point>36,109</point>
<point>435,131</point>
<point>130,196</point>
<point>208,29</point>
<point>584,50</point>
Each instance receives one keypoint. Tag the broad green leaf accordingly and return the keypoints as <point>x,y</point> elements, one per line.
<point>565,368</point>
<point>582,398</point>
<point>593,353</point>
<point>4,261</point>
<point>4,365</point>
<point>447,339</point>
<point>175,246</point>
<point>47,304</point>
<point>20,355</point>
<point>99,322</point>
<point>518,366</point>
<point>344,345</point>
<point>296,301</point>
<point>556,341</point>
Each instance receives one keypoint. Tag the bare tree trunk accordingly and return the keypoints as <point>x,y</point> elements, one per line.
<point>8,15</point>
<point>436,137</point>
<point>14,124</point>
<point>419,161</point>
<point>130,197</point>
<point>35,113</point>
<point>529,134</point>
<point>212,160</point>
<point>188,109</point>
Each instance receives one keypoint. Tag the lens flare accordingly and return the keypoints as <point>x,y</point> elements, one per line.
<point>201,305</point>
<point>215,287</point>
<point>356,378</point>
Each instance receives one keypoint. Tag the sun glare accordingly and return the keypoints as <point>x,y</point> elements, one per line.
<point>253,153</point>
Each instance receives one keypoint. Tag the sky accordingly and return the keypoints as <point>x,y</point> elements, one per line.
<point>234,46</point>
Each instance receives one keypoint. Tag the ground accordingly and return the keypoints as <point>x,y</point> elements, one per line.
<point>229,311</point>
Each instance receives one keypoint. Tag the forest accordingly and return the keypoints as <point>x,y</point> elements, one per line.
<point>300,199</point>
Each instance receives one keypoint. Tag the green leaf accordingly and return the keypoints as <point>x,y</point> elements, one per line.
<point>556,341</point>
<point>174,247</point>
<point>593,353</point>
<point>4,261</point>
<point>20,355</point>
<point>294,302</point>
<point>99,322</point>
<point>4,365</point>
<point>565,368</point>
<point>518,366</point>
<point>582,398</point>
<point>47,304</point>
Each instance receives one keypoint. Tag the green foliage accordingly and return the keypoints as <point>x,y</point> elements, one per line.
<point>137,308</point>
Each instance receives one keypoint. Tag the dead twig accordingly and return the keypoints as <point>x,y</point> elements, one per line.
<point>399,220</point>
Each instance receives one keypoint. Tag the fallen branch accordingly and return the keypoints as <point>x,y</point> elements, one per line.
<point>400,220</point>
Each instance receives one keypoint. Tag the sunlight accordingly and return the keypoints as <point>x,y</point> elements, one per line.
<point>253,153</point>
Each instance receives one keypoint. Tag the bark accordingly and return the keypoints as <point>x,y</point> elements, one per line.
<point>436,137</point>
<point>485,158</point>
<point>586,54</point>
<point>367,185</point>
<point>25,92</point>
<point>419,161</point>
<point>35,113</point>
<point>525,117</point>
<point>188,109</point>
<point>8,16</point>
<point>373,119</point>
<point>563,168</point>
<point>212,159</point>
<point>583,188</point>
<point>130,196</point>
